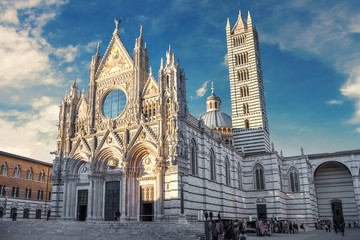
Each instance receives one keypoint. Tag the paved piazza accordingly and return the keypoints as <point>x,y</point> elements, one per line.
<point>42,230</point>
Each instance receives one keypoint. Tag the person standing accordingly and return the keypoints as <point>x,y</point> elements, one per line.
<point>14,216</point>
<point>242,235</point>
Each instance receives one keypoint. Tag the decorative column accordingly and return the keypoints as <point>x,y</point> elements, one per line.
<point>159,171</point>
<point>123,196</point>
<point>90,211</point>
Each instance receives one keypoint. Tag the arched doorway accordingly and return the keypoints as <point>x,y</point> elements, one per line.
<point>335,192</point>
<point>145,183</point>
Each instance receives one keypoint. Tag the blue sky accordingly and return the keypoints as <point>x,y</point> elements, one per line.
<point>310,57</point>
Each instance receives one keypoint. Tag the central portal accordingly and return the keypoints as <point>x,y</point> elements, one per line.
<point>147,203</point>
<point>112,200</point>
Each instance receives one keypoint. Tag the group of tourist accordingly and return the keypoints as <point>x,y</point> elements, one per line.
<point>337,226</point>
<point>225,230</point>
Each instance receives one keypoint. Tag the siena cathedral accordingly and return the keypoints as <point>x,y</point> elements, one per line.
<point>131,148</point>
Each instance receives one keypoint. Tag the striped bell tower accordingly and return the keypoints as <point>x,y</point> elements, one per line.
<point>249,121</point>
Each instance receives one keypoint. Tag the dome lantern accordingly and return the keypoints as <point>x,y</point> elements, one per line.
<point>213,102</point>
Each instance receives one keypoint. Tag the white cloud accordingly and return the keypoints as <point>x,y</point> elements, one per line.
<point>226,61</point>
<point>201,91</point>
<point>327,34</point>
<point>30,133</point>
<point>351,89</point>
<point>26,67</point>
<point>91,46</point>
<point>67,53</point>
<point>357,130</point>
<point>23,62</point>
<point>331,102</point>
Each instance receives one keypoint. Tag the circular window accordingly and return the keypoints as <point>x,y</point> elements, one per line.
<point>114,103</point>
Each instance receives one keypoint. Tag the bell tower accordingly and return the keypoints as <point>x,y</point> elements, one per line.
<point>249,121</point>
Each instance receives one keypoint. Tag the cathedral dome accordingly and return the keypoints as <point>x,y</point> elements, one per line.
<point>214,118</point>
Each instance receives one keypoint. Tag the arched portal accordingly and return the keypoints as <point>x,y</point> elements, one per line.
<point>335,193</point>
<point>143,183</point>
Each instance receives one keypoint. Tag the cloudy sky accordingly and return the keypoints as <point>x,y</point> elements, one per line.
<point>310,57</point>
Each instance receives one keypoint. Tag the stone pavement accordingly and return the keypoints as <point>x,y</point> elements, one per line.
<point>73,230</point>
<point>350,234</point>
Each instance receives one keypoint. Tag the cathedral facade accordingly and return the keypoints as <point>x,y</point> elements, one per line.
<point>131,149</point>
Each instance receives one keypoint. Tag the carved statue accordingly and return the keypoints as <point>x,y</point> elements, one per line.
<point>117,22</point>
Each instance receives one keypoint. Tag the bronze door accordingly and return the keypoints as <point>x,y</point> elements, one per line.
<point>112,200</point>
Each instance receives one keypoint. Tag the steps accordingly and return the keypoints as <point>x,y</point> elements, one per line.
<point>127,230</point>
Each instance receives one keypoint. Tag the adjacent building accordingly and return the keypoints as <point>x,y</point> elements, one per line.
<point>132,146</point>
<point>25,187</point>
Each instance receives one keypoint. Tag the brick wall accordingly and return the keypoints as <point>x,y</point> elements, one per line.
<point>22,182</point>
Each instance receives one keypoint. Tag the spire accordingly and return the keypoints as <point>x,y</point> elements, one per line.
<point>98,49</point>
<point>249,21</point>
<point>212,88</point>
<point>150,72</point>
<point>228,23</point>
<point>161,64</point>
<point>141,30</point>
<point>170,56</point>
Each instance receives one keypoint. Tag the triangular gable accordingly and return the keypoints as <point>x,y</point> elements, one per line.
<point>82,108</point>
<point>151,88</point>
<point>110,139</point>
<point>81,146</point>
<point>116,58</point>
<point>148,135</point>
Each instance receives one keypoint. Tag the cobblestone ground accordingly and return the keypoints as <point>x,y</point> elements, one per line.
<point>74,231</point>
<point>350,234</point>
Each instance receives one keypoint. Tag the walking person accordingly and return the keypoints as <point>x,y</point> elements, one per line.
<point>342,228</point>
<point>14,216</point>
<point>214,231</point>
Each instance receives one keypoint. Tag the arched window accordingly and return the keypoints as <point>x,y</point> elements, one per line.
<point>28,193</point>
<point>212,165</point>
<point>40,195</point>
<point>3,191</point>
<point>30,173</point>
<point>4,169</point>
<point>17,171</point>
<point>193,158</point>
<point>259,179</point>
<point>227,171</point>
<point>239,176</point>
<point>42,176</point>
<point>294,180</point>
<point>246,108</point>
<point>247,124</point>
<point>15,192</point>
